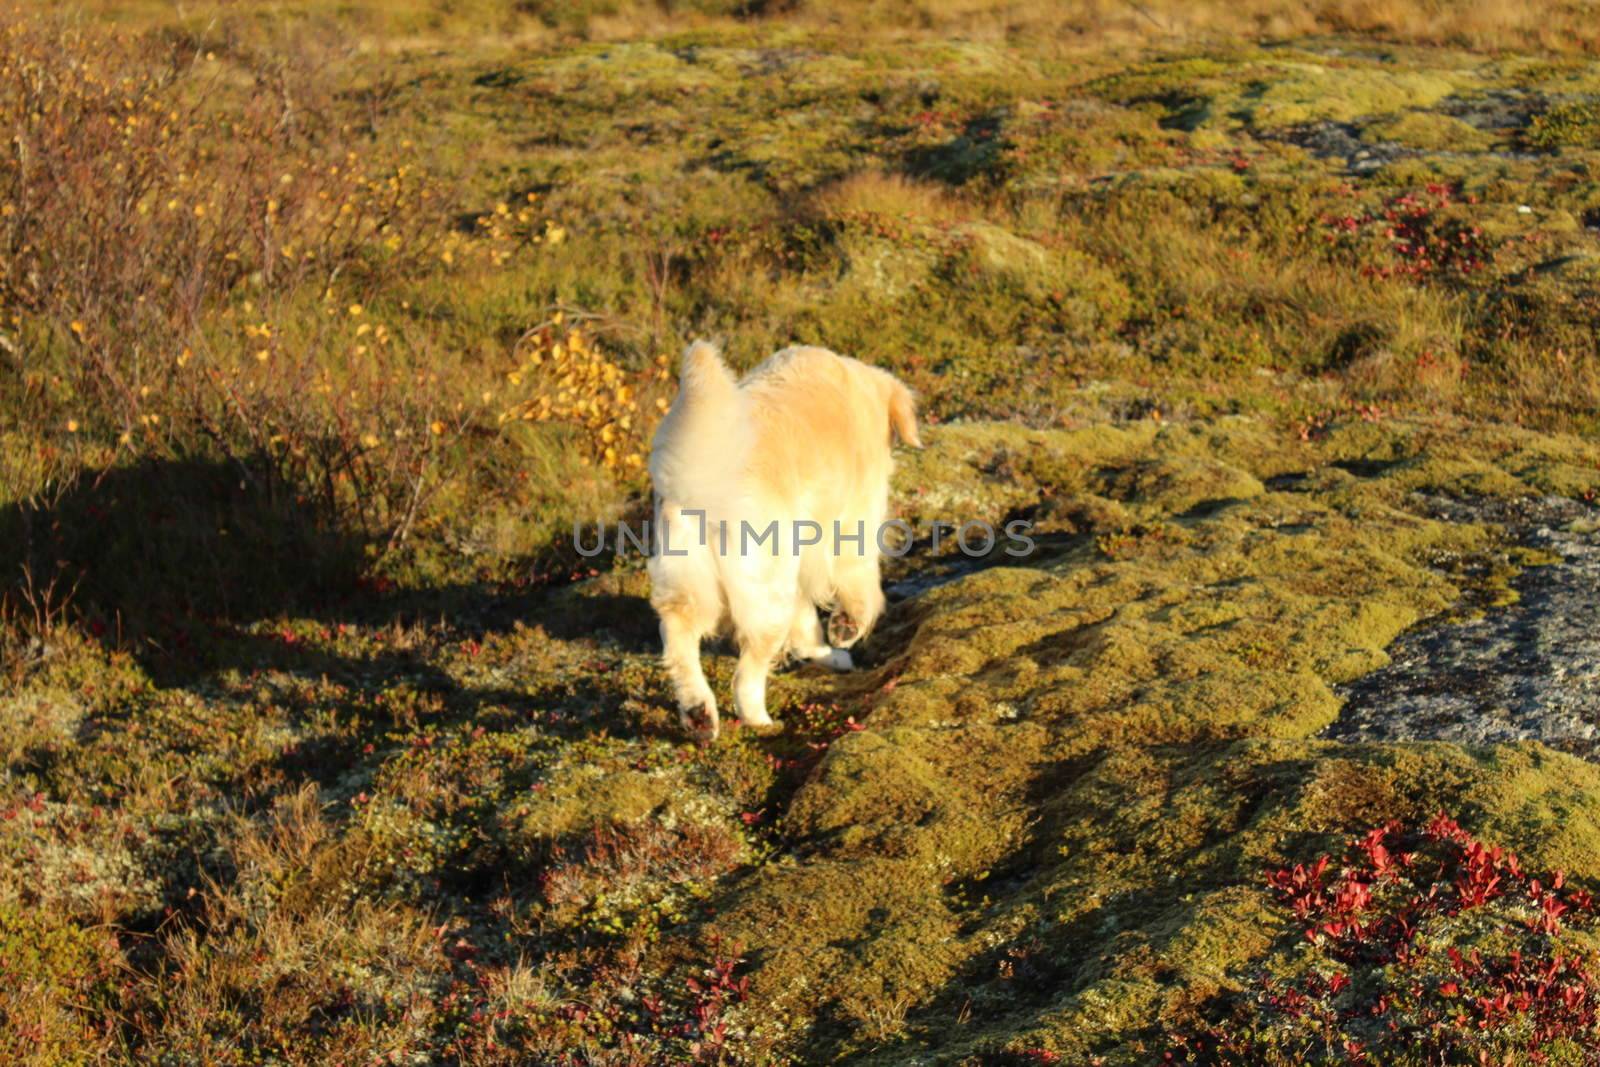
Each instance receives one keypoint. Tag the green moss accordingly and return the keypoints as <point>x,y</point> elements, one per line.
<point>1428,131</point>
<point>1237,629</point>
<point>587,795</point>
<point>1298,93</point>
<point>1270,93</point>
<point>56,977</point>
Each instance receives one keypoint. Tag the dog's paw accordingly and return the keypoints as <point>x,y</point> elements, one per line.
<point>755,719</point>
<point>838,659</point>
<point>700,722</point>
<point>768,727</point>
<point>842,630</point>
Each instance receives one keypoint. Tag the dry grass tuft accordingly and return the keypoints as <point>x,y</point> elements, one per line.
<point>886,195</point>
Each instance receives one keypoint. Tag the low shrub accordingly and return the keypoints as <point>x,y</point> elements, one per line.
<point>1419,945</point>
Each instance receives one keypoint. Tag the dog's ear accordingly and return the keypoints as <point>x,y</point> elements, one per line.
<point>903,413</point>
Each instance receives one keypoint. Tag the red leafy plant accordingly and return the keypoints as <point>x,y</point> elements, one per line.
<point>1418,946</point>
<point>610,1010</point>
<point>814,728</point>
<point>714,992</point>
<point>1418,235</point>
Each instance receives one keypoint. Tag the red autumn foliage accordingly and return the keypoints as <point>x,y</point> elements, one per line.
<point>1422,235</point>
<point>1425,941</point>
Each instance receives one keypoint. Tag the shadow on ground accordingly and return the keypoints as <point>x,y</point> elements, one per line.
<point>173,561</point>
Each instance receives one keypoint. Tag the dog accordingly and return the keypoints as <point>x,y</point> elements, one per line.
<point>799,451</point>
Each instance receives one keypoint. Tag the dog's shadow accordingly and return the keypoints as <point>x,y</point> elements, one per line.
<point>164,557</point>
<point>158,555</point>
<point>176,562</point>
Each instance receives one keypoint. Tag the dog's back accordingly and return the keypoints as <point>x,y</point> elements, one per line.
<point>820,431</point>
<point>805,436</point>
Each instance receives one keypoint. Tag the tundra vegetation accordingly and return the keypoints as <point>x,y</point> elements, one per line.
<point>321,325</point>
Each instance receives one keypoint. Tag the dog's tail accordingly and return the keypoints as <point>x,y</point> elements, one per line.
<point>695,442</point>
<point>702,375</point>
<point>903,413</point>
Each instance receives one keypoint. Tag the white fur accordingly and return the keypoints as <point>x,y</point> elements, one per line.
<point>804,437</point>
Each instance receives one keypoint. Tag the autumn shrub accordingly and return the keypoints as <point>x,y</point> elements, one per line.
<point>174,254</point>
<point>1425,943</point>
<point>208,339</point>
<point>563,377</point>
<point>1567,123</point>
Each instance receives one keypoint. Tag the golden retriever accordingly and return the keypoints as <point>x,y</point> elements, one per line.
<point>770,498</point>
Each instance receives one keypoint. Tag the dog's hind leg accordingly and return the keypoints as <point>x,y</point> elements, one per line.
<point>859,593</point>
<point>807,642</point>
<point>761,623</point>
<point>684,592</point>
<point>682,628</point>
<point>757,650</point>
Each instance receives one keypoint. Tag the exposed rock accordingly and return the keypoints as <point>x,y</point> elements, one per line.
<point>1339,140</point>
<point>1494,109</point>
<point>1526,671</point>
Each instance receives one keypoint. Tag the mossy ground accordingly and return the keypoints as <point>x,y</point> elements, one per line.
<point>274,796</point>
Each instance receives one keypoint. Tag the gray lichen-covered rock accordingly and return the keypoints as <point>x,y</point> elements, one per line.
<point>1528,670</point>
